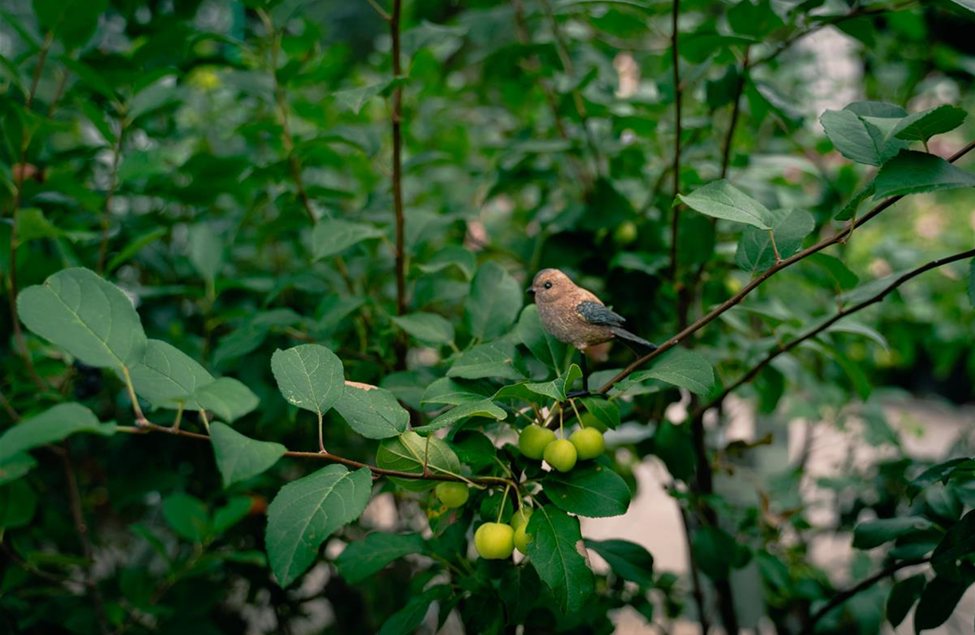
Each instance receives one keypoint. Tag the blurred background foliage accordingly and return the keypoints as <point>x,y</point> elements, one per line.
<point>187,149</point>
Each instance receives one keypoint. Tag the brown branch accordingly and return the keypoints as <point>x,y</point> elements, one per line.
<point>785,348</point>
<point>113,185</point>
<point>145,426</point>
<point>730,137</point>
<point>400,344</point>
<point>675,209</point>
<point>382,12</point>
<point>19,178</point>
<point>26,566</point>
<point>87,549</point>
<point>756,282</point>
<point>863,585</point>
<point>696,587</point>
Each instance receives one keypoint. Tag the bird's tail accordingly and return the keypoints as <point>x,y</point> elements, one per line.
<point>635,343</point>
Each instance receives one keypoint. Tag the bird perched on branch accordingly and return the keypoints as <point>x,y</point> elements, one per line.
<point>576,316</point>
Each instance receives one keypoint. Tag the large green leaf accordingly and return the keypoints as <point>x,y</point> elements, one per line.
<point>683,368</point>
<point>227,398</point>
<point>755,252</point>
<point>331,236</point>
<point>239,457</point>
<point>938,601</point>
<point>90,318</point>
<point>366,557</point>
<point>721,199</point>
<point>54,424</point>
<point>72,21</point>
<point>487,360</point>
<point>558,387</point>
<point>873,533</point>
<point>559,556</point>
<point>309,376</point>
<point>921,126</point>
<point>426,327</point>
<point>862,138</point>
<point>494,302</point>
<point>372,412</point>
<point>18,502</point>
<point>167,377</point>
<point>188,516</point>
<point>542,345</point>
<point>914,172</point>
<point>628,560</point>
<point>484,408</point>
<point>903,596</point>
<point>406,453</point>
<point>306,512</point>
<point>592,490</point>
<point>408,619</point>
<point>605,411</point>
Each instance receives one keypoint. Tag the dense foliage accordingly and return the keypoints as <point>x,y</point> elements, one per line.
<point>267,352</point>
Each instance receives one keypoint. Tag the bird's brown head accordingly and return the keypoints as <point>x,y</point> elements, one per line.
<point>550,285</point>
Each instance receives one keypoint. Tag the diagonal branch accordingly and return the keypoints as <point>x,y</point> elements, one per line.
<point>785,348</point>
<point>756,282</point>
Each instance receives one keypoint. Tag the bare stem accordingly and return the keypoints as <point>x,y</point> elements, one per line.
<point>675,209</point>
<point>397,121</point>
<point>112,186</point>
<point>735,111</point>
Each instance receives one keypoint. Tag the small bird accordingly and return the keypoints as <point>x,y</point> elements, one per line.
<point>576,316</point>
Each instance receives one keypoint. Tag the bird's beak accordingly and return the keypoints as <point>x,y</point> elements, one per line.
<point>530,290</point>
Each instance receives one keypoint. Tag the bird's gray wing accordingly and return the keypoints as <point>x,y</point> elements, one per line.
<point>596,313</point>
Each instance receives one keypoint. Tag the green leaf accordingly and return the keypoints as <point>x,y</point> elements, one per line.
<point>487,360</point>
<point>940,472</point>
<point>938,602</point>
<point>967,4</point>
<point>878,109</point>
<point>681,367</point>
<point>543,346</point>
<point>54,424</point>
<point>406,453</point>
<point>188,516</point>
<point>72,21</point>
<point>559,556</point>
<point>672,444</point>
<point>873,533</point>
<point>227,398</point>
<point>864,139</point>
<point>18,502</point>
<point>558,387</point>
<point>483,408</point>
<point>716,551</point>
<point>230,514</point>
<point>628,560</point>
<point>135,246</point>
<point>206,251</point>
<point>755,252</point>
<point>372,412</point>
<point>921,126</point>
<point>519,589</point>
<point>239,457</point>
<point>355,98</point>
<point>958,542</point>
<point>32,224</point>
<point>913,172</point>
<point>756,20</point>
<point>850,209</point>
<point>698,47</point>
<point>721,199</point>
<point>605,411</point>
<point>167,377</point>
<point>306,512</point>
<point>494,302</point>
<point>366,557</point>
<point>451,256</point>
<point>90,318</point>
<point>594,491</point>
<point>16,466</point>
<point>451,392</point>
<point>309,376</point>
<point>331,236</point>
<point>409,618</point>
<point>429,328</point>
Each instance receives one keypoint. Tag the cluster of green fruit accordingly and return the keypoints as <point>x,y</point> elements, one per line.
<point>537,442</point>
<point>497,541</point>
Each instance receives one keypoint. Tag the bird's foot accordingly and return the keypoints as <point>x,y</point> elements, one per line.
<point>578,394</point>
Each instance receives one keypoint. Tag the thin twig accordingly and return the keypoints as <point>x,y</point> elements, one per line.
<point>696,587</point>
<point>397,121</point>
<point>756,282</point>
<point>382,12</point>
<point>675,209</point>
<point>113,185</point>
<point>735,109</point>
<point>863,585</point>
<point>11,412</point>
<point>786,347</point>
<point>87,549</point>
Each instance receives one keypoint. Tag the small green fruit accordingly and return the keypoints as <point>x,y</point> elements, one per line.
<point>520,518</point>
<point>533,441</point>
<point>588,443</point>
<point>561,455</point>
<point>494,541</point>
<point>522,538</point>
<point>453,494</point>
<point>625,233</point>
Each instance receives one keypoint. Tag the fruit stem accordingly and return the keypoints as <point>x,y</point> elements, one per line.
<point>561,417</point>
<point>504,499</point>
<point>572,402</point>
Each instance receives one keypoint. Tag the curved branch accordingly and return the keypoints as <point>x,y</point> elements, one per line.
<point>145,426</point>
<point>785,348</point>
<point>756,282</point>
<point>863,585</point>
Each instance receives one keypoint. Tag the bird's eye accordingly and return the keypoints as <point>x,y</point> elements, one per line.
<point>548,285</point>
